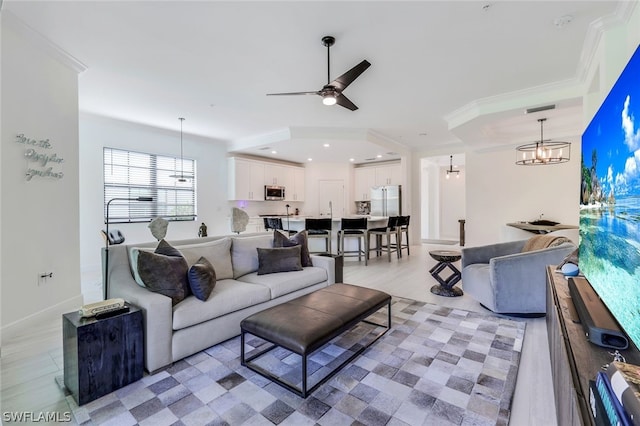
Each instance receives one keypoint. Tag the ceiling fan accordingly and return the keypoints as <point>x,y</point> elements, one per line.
<point>332,91</point>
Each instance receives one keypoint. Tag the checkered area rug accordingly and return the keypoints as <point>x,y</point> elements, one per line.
<point>436,366</point>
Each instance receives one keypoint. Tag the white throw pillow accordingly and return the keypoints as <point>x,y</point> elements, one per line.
<point>217,252</point>
<point>244,253</point>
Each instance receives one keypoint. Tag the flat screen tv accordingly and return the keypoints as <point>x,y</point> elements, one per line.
<point>609,253</point>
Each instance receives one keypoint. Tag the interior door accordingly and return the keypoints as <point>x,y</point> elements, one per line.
<point>331,198</point>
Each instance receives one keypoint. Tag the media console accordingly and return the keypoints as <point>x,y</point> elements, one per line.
<point>574,359</point>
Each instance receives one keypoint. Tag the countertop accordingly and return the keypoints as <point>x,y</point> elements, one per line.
<point>540,229</point>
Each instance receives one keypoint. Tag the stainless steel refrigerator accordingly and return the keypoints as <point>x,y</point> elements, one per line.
<point>386,200</point>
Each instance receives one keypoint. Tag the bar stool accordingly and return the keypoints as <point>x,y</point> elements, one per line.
<point>403,228</point>
<point>387,232</point>
<point>319,228</point>
<point>353,228</point>
<point>275,223</point>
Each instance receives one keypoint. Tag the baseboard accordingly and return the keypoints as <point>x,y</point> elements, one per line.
<point>29,323</point>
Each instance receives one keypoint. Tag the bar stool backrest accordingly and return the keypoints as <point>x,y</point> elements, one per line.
<point>317,224</point>
<point>272,223</point>
<point>394,222</point>
<point>354,223</point>
<point>404,221</point>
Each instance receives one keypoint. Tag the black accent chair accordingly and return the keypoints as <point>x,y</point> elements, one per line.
<point>354,228</point>
<point>319,228</point>
<point>389,231</point>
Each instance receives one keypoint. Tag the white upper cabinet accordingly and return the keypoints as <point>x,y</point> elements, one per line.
<point>368,177</point>
<point>388,175</point>
<point>275,174</point>
<point>246,179</point>
<point>294,186</point>
<point>365,178</point>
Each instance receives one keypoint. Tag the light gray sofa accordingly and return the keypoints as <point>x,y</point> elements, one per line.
<point>174,332</point>
<point>507,280</point>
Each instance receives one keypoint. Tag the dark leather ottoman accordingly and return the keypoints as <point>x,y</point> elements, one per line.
<point>305,324</point>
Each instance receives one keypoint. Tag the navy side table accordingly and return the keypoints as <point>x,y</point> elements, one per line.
<point>101,356</point>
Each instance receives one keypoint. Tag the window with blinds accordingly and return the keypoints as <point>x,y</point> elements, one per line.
<point>129,175</point>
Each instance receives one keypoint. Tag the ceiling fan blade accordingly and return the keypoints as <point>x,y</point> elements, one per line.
<point>347,78</point>
<point>342,100</point>
<point>293,93</point>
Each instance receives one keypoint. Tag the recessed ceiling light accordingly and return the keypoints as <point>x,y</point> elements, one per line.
<point>379,156</point>
<point>352,159</point>
<point>326,145</point>
<point>274,152</point>
<point>309,159</point>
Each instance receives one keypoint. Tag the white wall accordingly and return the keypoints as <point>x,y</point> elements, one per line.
<point>452,203</point>
<point>498,192</point>
<point>39,218</point>
<point>97,132</point>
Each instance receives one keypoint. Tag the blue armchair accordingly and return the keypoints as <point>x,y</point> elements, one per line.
<point>507,280</point>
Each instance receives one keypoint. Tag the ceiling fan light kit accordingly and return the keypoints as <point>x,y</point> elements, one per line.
<point>543,152</point>
<point>331,92</point>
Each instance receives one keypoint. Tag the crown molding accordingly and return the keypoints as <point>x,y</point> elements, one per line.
<point>595,32</point>
<point>524,98</point>
<point>41,42</point>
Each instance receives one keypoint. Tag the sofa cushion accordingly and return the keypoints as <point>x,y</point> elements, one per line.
<point>299,239</point>
<point>202,278</point>
<point>282,283</point>
<point>217,252</point>
<point>244,253</point>
<point>162,274</point>
<point>227,296</point>
<point>279,259</point>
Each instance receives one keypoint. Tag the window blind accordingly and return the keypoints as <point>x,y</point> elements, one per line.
<point>129,174</point>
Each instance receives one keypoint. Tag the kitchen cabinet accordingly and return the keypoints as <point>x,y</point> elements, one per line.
<point>245,180</point>
<point>294,185</point>
<point>365,178</point>
<point>368,177</point>
<point>276,174</point>
<point>388,175</point>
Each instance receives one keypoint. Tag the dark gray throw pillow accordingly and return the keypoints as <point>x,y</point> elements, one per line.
<point>162,274</point>
<point>299,239</point>
<point>202,278</point>
<point>167,249</point>
<point>280,259</point>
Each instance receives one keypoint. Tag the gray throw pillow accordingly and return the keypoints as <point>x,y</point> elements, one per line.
<point>202,278</point>
<point>284,259</point>
<point>299,239</point>
<point>162,274</point>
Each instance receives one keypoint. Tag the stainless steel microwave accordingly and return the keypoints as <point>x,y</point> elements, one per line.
<point>273,193</point>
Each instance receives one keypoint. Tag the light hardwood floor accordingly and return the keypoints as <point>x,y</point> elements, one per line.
<point>30,364</point>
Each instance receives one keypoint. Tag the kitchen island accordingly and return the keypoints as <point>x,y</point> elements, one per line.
<point>296,223</point>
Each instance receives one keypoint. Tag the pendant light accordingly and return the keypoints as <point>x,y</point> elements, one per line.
<point>543,152</point>
<point>181,178</point>
<point>451,171</point>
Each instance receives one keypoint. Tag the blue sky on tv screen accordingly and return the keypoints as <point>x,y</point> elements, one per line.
<point>615,134</point>
<point>610,201</point>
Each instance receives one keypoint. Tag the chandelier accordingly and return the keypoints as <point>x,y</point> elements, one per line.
<point>451,171</point>
<point>181,178</point>
<point>543,152</point>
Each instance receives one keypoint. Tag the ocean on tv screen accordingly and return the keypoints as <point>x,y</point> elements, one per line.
<point>610,200</point>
